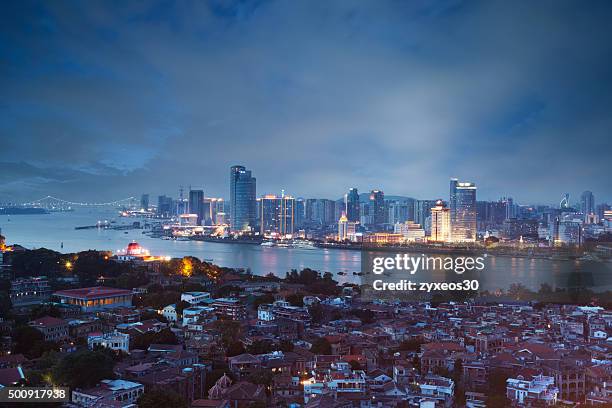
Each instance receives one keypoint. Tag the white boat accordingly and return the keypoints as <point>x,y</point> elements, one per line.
<point>268,244</point>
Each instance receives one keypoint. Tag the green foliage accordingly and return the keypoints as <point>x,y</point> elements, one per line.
<point>263,300</point>
<point>314,281</point>
<point>285,346</point>
<point>143,341</point>
<point>234,348</point>
<point>158,398</point>
<point>317,313</point>
<point>84,368</point>
<point>365,315</point>
<point>261,347</point>
<point>229,330</point>
<point>30,342</point>
<point>355,365</point>
<point>296,299</point>
<point>410,345</point>
<point>321,346</point>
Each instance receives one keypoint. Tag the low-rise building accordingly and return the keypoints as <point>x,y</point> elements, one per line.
<point>540,389</point>
<point>95,298</point>
<point>116,393</point>
<point>52,328</point>
<point>115,341</point>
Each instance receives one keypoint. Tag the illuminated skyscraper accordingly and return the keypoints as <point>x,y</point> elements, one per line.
<point>342,228</point>
<point>352,205</point>
<point>196,204</point>
<point>377,208</point>
<point>277,215</point>
<point>463,211</point>
<point>440,223</point>
<point>243,205</point>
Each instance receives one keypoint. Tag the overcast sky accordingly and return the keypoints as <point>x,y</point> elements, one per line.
<point>104,100</point>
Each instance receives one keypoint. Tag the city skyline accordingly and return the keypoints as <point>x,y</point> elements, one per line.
<point>315,98</point>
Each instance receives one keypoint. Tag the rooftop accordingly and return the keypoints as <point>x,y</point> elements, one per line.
<point>93,292</point>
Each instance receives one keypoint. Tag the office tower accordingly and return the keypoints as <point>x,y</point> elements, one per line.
<point>320,211</point>
<point>277,215</point>
<point>377,208</point>
<point>196,205</point>
<point>342,227</point>
<point>352,205</point>
<point>243,205</point>
<point>452,202</point>
<point>144,202</point>
<point>164,206</point>
<point>440,223</point>
<point>587,203</point>
<point>422,210</point>
<point>601,209</point>
<point>299,212</point>
<point>510,208</point>
<point>212,206</point>
<point>463,211</point>
<point>400,211</point>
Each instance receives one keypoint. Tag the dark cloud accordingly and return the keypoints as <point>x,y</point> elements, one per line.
<point>103,100</point>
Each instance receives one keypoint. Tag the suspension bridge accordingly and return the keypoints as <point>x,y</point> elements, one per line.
<point>50,202</point>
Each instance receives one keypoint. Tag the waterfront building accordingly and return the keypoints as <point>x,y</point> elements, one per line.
<point>114,340</point>
<point>343,228</point>
<point>410,230</point>
<point>243,211</point>
<point>212,207</point>
<point>377,208</point>
<point>300,207</point>
<point>188,220</point>
<point>440,223</point>
<point>352,205</point>
<point>95,298</point>
<point>422,211</point>
<point>164,206</point>
<point>463,211</point>
<point>196,205</point>
<point>277,215</point>
<point>320,211</point>
<point>400,211</point>
<point>144,202</point>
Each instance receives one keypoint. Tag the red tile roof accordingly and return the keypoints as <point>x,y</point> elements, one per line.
<point>93,292</point>
<point>48,321</point>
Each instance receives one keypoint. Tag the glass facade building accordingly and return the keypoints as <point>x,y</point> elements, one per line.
<point>243,204</point>
<point>463,211</point>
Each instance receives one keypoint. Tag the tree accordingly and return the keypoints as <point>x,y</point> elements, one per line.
<point>143,341</point>
<point>285,345</point>
<point>234,348</point>
<point>355,365</point>
<point>261,347</point>
<point>229,330</point>
<point>84,368</point>
<point>316,312</point>
<point>30,342</point>
<point>161,398</point>
<point>296,299</point>
<point>321,346</point>
<point>498,401</point>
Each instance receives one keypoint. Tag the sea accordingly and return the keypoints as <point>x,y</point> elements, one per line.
<point>56,231</point>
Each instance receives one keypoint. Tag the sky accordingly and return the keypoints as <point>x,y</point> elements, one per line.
<point>105,100</point>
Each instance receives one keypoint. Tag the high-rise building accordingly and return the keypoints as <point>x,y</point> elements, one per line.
<point>277,215</point>
<point>212,206</point>
<point>320,211</point>
<point>144,202</point>
<point>164,206</point>
<point>377,208</point>
<point>400,211</point>
<point>342,227</point>
<point>196,205</point>
<point>422,210</point>
<point>587,203</point>
<point>352,205</point>
<point>299,212</point>
<point>243,204</point>
<point>440,223</point>
<point>463,211</point>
